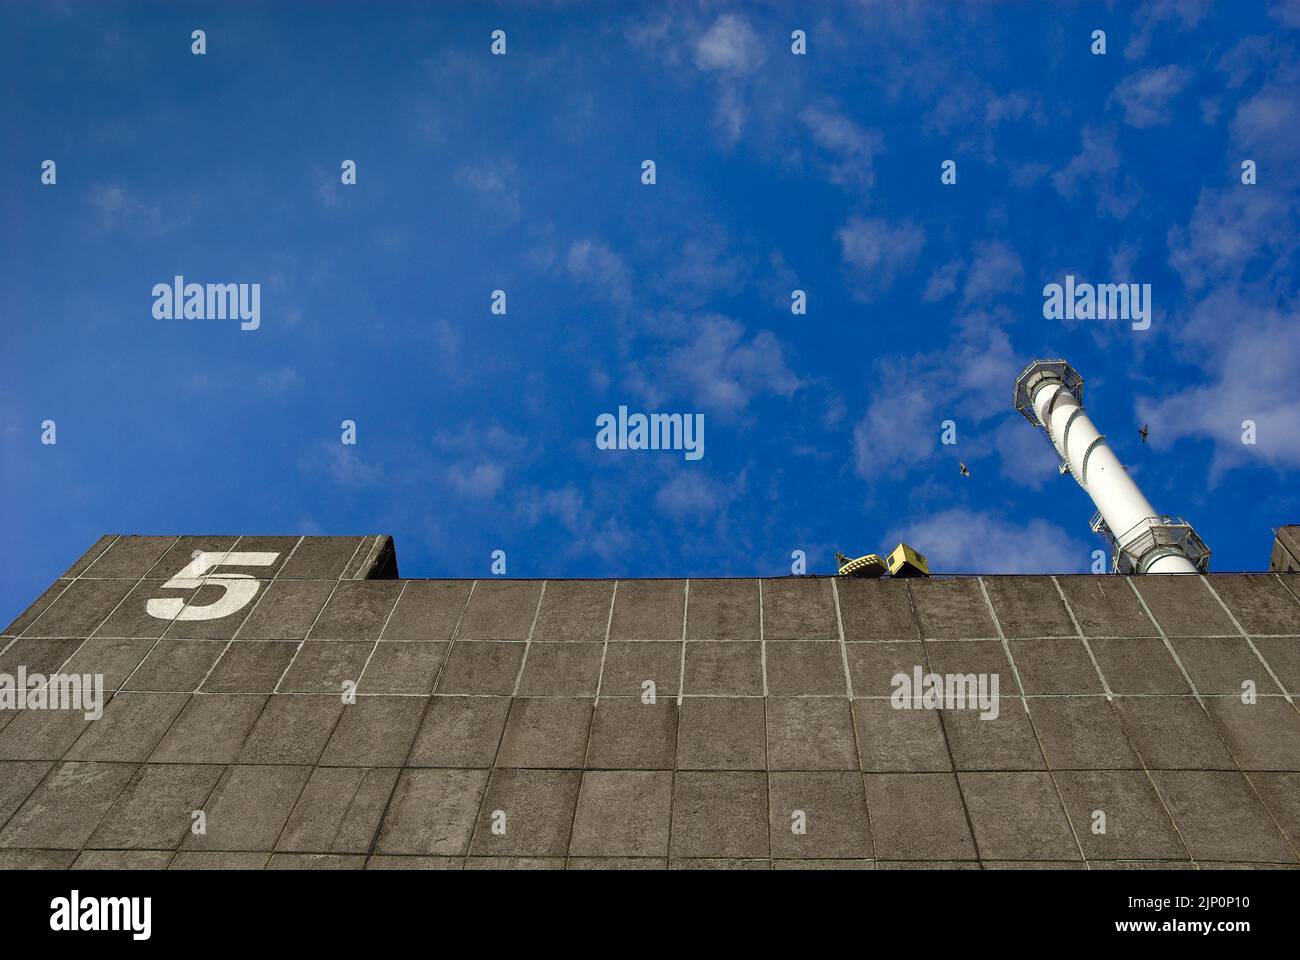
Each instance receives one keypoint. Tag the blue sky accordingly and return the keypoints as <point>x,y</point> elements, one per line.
<point>521,172</point>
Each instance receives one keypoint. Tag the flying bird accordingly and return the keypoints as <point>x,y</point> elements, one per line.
<point>1143,433</point>
<point>964,471</point>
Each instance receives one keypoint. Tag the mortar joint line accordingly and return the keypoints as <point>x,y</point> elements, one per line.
<point>315,620</point>
<point>528,641</point>
<point>256,604</point>
<point>338,719</point>
<point>844,650</point>
<point>1210,718</point>
<point>1295,849</point>
<point>1250,643</point>
<point>681,670</point>
<point>378,636</point>
<point>58,763</point>
<point>71,580</point>
<point>424,714</point>
<point>1078,629</point>
<point>1168,646</point>
<point>943,730</point>
<point>604,650</point>
<point>1033,727</point>
<point>762,637</point>
<point>1277,575</point>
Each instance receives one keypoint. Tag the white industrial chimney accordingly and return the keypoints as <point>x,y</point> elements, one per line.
<point>1050,395</point>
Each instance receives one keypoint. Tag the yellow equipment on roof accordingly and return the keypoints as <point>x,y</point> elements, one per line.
<point>906,562</point>
<point>868,566</point>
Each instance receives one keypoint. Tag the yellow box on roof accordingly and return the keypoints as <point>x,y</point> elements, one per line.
<point>906,562</point>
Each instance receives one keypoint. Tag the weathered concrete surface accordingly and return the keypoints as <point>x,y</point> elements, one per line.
<point>1286,551</point>
<point>700,723</point>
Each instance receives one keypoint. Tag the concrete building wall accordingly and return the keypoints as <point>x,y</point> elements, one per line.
<point>511,722</point>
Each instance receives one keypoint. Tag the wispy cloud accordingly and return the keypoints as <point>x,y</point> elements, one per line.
<point>911,396</point>
<point>1231,229</point>
<point>479,481</point>
<point>1098,167</point>
<point>703,266</point>
<point>877,250</point>
<point>716,367</point>
<point>479,458</point>
<point>852,148</point>
<point>495,185</point>
<point>1285,12</point>
<point>1025,455</point>
<point>1146,96</point>
<point>1152,14</point>
<point>281,381</point>
<point>729,45</point>
<point>596,266</point>
<point>691,495</point>
<point>971,541</point>
<point>1251,350</point>
<point>117,209</point>
<point>342,463</point>
<point>993,269</point>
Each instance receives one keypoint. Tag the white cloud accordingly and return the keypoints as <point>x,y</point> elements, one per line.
<point>717,368</point>
<point>704,267</point>
<point>1267,126</point>
<point>878,250</point>
<point>899,428</point>
<point>481,481</point>
<point>652,36</point>
<point>1238,229</point>
<point>968,383</point>
<point>853,147</point>
<point>967,541</point>
<point>602,270</point>
<point>494,439</point>
<point>729,114</point>
<point>729,45</point>
<point>591,531</point>
<point>1184,14</point>
<point>343,463</point>
<point>1097,165</point>
<point>1249,56</point>
<point>116,208</point>
<point>1230,228</point>
<point>329,189</point>
<point>494,185</point>
<point>480,458</point>
<point>1238,253</point>
<point>943,281</point>
<point>968,113</point>
<point>1122,259</point>
<point>995,269</point>
<point>1014,105</point>
<point>1251,351</point>
<point>728,53</point>
<point>564,505</point>
<point>1145,97</point>
<point>1025,454</point>
<point>1025,175</point>
<point>690,495</point>
<point>279,382</point>
<point>1286,12</point>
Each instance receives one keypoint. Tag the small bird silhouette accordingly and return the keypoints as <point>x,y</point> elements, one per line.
<point>1143,433</point>
<point>964,471</point>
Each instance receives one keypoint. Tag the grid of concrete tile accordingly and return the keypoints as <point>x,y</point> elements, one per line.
<point>505,723</point>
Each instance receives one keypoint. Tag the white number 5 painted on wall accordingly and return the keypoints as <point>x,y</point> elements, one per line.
<point>239,588</point>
